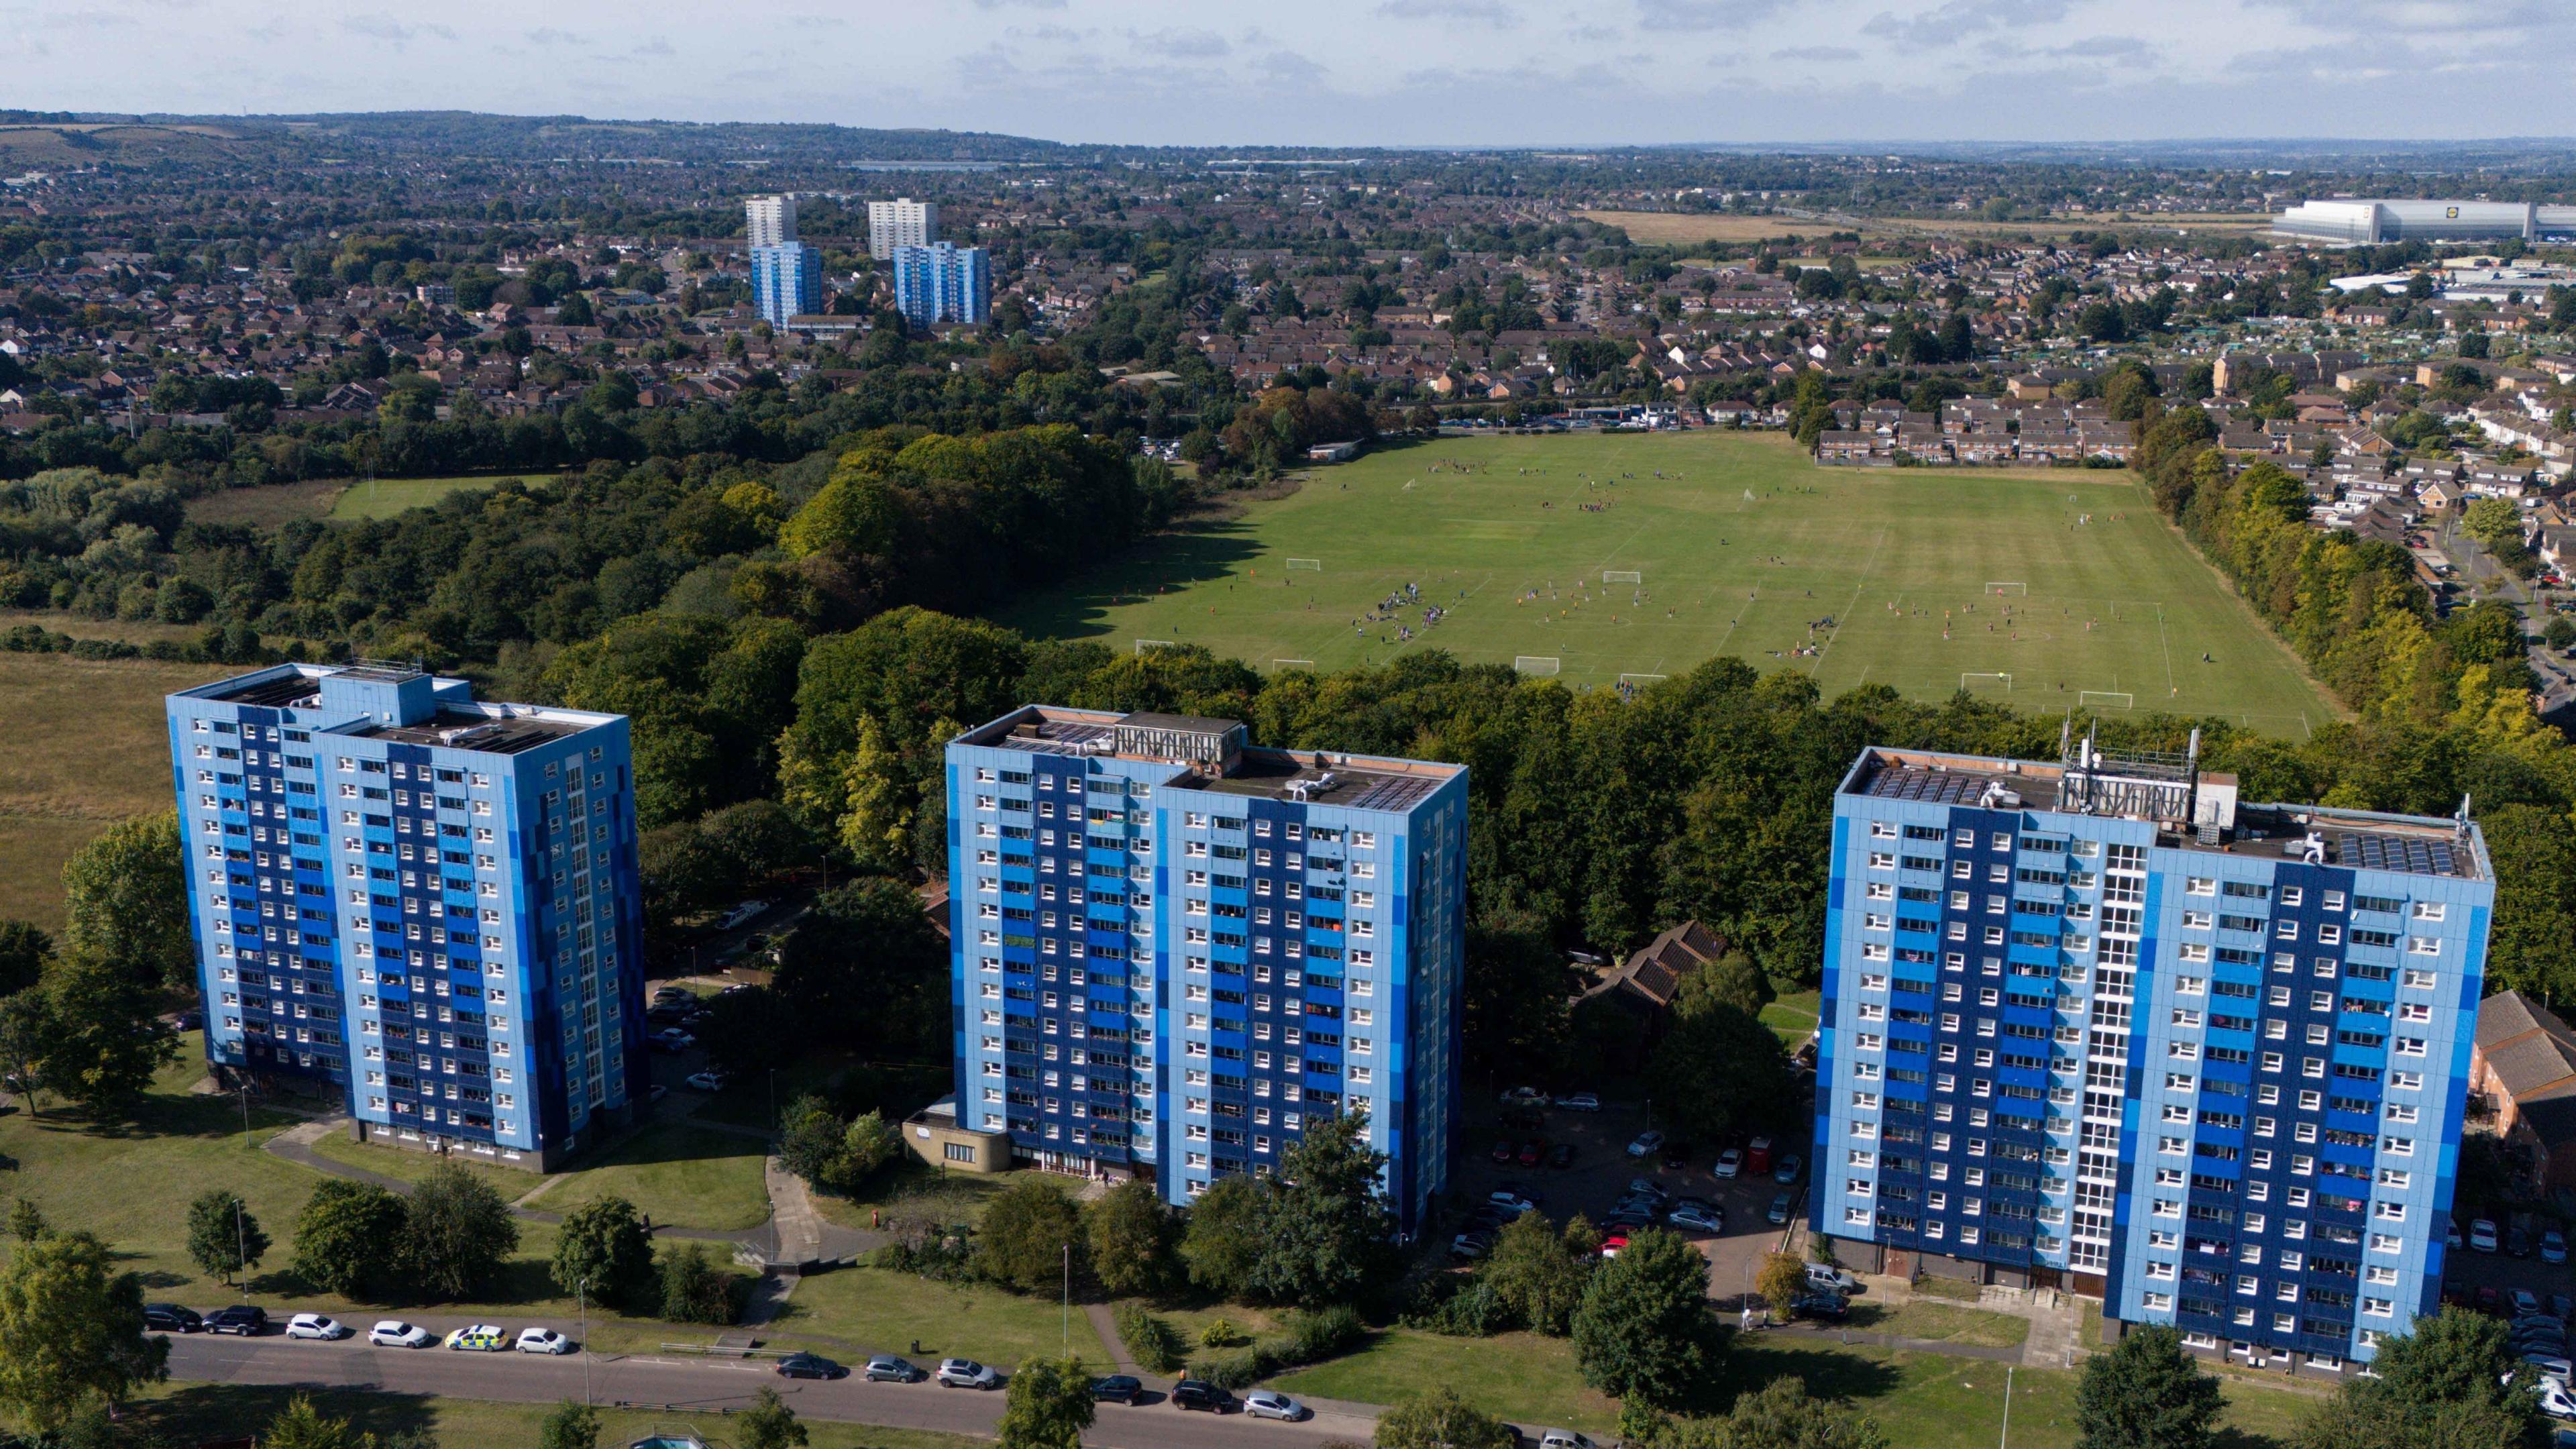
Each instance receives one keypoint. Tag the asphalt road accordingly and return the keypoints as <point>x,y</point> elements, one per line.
<point>684,1387</point>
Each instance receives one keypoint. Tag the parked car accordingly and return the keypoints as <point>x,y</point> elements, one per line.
<point>1561,1156</point>
<point>2555,1403</point>
<point>244,1319</point>
<point>707,1081</point>
<point>1757,1158</point>
<point>1645,1144</point>
<point>2550,1363</point>
<point>316,1325</point>
<point>546,1340</point>
<point>1200,1394</point>
<point>1272,1404</point>
<point>1503,1151</point>
<point>1781,1202</point>
<point>1563,1439</point>
<point>1580,1102</point>
<point>1512,1204</point>
<point>2553,1247</point>
<point>741,913</point>
<point>1697,1219</point>
<point>1613,1245</point>
<point>1789,1170</point>
<point>2517,1243</point>
<point>1815,1303</point>
<point>1116,1389</point>
<point>1730,1164</point>
<point>2524,1302</point>
<point>671,1039</point>
<point>171,1318</point>
<point>2451,1234</point>
<point>1532,1152</point>
<point>2482,1236</point>
<point>1471,1246</point>
<point>394,1333</point>
<point>479,1338</point>
<point>810,1366</point>
<point>1525,1097</point>
<point>965,1373</point>
<point>1831,1278</point>
<point>885,1368</point>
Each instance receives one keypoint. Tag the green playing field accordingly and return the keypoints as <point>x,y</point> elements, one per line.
<point>1598,558</point>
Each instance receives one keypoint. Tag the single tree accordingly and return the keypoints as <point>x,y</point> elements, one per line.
<point>1721,1070</point>
<point>106,1036</point>
<point>27,1221</point>
<point>810,1141</point>
<point>770,1424</point>
<point>1222,1240</point>
<point>2146,1393</point>
<point>1539,1273</point>
<point>223,1236</point>
<point>1442,1420</point>
<point>125,902</point>
<point>348,1238</point>
<point>694,1289</point>
<point>1132,1231</point>
<point>1326,1237</point>
<point>71,1330</point>
<point>1049,1405</point>
<point>26,1029</point>
<point>604,1251</point>
<point>1022,1240</point>
<point>870,1146</point>
<point>25,952</point>
<point>1644,1331</point>
<point>1781,1416</point>
<point>2443,1385</point>
<point>570,1426</point>
<point>302,1425</point>
<point>1780,1280</point>
<point>457,1231</point>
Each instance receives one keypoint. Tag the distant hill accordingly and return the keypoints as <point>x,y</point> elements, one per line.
<point>530,138</point>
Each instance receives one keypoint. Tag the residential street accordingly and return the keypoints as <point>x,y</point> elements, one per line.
<point>686,1387</point>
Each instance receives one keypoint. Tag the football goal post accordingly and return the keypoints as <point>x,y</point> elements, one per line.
<point>2015,588</point>
<point>1972,680</point>
<point>2106,699</point>
<point>1541,665</point>
<point>1144,644</point>
<point>1639,678</point>
<point>1623,576</point>
<point>1292,663</point>
<point>1311,565</point>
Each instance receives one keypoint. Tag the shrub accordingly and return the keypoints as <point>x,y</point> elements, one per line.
<point>695,1290</point>
<point>1319,1335</point>
<point>1150,1341</point>
<point>1474,1312</point>
<point>1223,1334</point>
<point>1235,1370</point>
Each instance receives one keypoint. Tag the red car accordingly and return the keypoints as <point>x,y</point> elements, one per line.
<point>2490,1301</point>
<point>1531,1152</point>
<point>1611,1245</point>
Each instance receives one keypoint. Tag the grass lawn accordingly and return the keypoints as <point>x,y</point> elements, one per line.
<point>695,1177</point>
<point>187,1413</point>
<point>956,1197</point>
<point>82,746</point>
<point>385,497</point>
<point>1943,1323</point>
<point>1793,1018</point>
<point>413,1166</point>
<point>2109,608</point>
<point>1521,1376</point>
<point>884,1312</point>
<point>269,506</point>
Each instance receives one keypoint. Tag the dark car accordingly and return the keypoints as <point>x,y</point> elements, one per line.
<point>1531,1152</point>
<point>2489,1300</point>
<point>1504,1151</point>
<point>1678,1155</point>
<point>810,1366</point>
<point>1116,1389</point>
<point>2517,1242</point>
<point>171,1318</point>
<point>1817,1304</point>
<point>1200,1394</point>
<point>244,1319</point>
<point>1561,1156</point>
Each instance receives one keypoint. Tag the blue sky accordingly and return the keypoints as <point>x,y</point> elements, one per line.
<point>1350,72</point>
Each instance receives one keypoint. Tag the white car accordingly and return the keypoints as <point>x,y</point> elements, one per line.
<point>2555,1403</point>
<point>2550,1365</point>
<point>543,1340</point>
<point>965,1373</point>
<point>1831,1279</point>
<point>394,1333</point>
<point>1647,1144</point>
<point>315,1325</point>
<point>740,914</point>
<point>1510,1204</point>
<point>1563,1439</point>
<point>1272,1404</point>
<point>1580,1102</point>
<point>2482,1236</point>
<point>707,1081</point>
<point>1730,1163</point>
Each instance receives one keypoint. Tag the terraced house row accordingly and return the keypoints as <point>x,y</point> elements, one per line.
<point>1174,954</point>
<point>2097,1024</point>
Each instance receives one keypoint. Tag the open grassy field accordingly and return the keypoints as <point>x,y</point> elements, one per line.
<point>1682,228</point>
<point>269,506</point>
<point>697,1177</point>
<point>2048,589</point>
<point>81,747</point>
<point>186,1413</point>
<point>385,497</point>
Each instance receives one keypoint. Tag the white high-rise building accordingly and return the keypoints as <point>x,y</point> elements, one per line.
<point>902,222</point>
<point>769,221</point>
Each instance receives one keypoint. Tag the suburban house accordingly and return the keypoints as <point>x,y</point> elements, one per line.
<point>1627,1008</point>
<point>2522,1074</point>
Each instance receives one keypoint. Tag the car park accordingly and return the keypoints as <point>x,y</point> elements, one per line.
<point>1561,1156</point>
<point>244,1319</point>
<point>544,1340</point>
<point>965,1373</point>
<point>1272,1404</point>
<point>171,1318</point>
<point>707,1081</point>
<point>1789,1170</point>
<point>1778,1216</point>
<point>1116,1389</point>
<point>1645,1143</point>
<point>394,1333</point>
<point>316,1325</point>
<point>2482,1236</point>
<point>1580,1102</point>
<point>1730,1164</point>
<point>479,1338</point>
<point>2538,1342</point>
<point>885,1368</point>
<point>1200,1394</point>
<point>810,1366</point>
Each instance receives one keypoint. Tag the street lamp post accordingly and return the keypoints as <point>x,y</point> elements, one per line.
<point>1067,1314</point>
<point>245,1106</point>
<point>241,1244</point>
<point>581,1299</point>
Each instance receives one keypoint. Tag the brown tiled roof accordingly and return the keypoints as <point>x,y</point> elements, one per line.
<point>2531,1052</point>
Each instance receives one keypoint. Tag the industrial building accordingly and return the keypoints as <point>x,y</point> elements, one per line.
<point>2095,1024</point>
<point>423,905</point>
<point>2348,222</point>
<point>1173,952</point>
